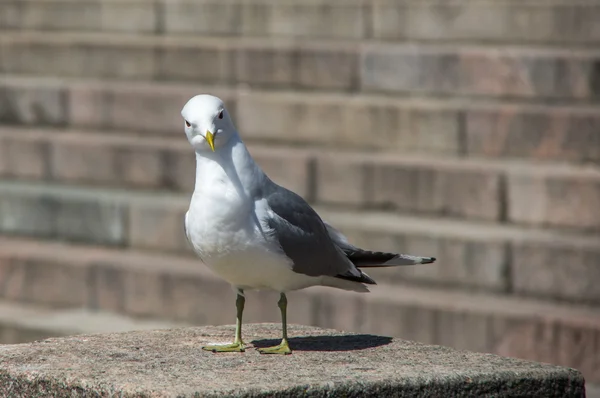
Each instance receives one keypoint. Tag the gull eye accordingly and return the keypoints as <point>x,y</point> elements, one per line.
<point>188,124</point>
<point>221,115</point>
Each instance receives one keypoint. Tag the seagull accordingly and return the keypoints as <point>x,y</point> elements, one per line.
<point>258,235</point>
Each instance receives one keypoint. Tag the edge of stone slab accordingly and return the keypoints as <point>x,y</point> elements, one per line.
<point>106,365</point>
<point>495,386</point>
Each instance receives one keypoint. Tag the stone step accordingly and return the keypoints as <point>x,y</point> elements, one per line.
<point>488,129</point>
<point>471,255</point>
<point>21,323</point>
<point>128,160</point>
<point>528,21</point>
<point>182,289</point>
<point>325,363</point>
<point>509,72</point>
<point>556,195</point>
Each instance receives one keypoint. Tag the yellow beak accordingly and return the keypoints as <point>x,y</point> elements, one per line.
<point>210,138</point>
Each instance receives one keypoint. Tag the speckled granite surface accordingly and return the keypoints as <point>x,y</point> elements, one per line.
<point>170,363</point>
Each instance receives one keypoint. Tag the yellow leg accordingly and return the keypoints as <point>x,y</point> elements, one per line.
<point>283,347</point>
<point>237,345</point>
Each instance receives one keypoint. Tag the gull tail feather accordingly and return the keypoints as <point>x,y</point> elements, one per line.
<point>369,259</point>
<point>365,258</point>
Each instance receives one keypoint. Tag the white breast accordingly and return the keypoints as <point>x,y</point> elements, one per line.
<point>231,243</point>
<point>224,225</point>
<point>219,221</point>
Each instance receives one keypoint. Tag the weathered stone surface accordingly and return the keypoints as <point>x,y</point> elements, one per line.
<point>479,71</point>
<point>557,271</point>
<point>522,22</point>
<point>65,56</point>
<point>281,63</point>
<point>202,17</point>
<point>410,184</point>
<point>407,68</point>
<point>142,109</point>
<point>343,121</point>
<point>81,221</point>
<point>317,19</point>
<point>56,282</point>
<point>547,247</point>
<point>535,262</point>
<point>342,181</point>
<point>108,16</point>
<point>24,158</point>
<point>451,127</point>
<point>561,134</point>
<point>476,256</point>
<point>467,262</point>
<point>555,197</point>
<point>153,226</point>
<point>510,326</point>
<point>449,189</point>
<point>136,107</point>
<point>51,15</point>
<point>170,363</point>
<point>33,104</point>
<point>327,69</point>
<point>506,72</point>
<point>118,160</point>
<point>284,65</point>
<point>83,161</point>
<point>76,218</point>
<point>181,287</point>
<point>27,216</point>
<point>570,344</point>
<point>130,16</point>
<point>89,106</point>
<point>9,15</point>
<point>295,19</point>
<point>25,323</point>
<point>4,164</point>
<point>126,161</point>
<point>212,63</point>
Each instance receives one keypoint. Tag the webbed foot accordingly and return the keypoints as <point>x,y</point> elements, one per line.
<point>282,348</point>
<point>233,347</point>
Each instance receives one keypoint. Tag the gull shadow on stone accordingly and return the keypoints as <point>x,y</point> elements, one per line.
<point>329,343</point>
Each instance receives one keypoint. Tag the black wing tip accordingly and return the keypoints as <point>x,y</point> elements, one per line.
<point>367,279</point>
<point>363,278</point>
<point>428,260</point>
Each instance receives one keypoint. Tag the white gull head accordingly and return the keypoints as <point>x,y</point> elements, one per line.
<point>208,125</point>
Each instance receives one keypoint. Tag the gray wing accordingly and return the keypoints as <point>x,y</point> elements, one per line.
<point>304,237</point>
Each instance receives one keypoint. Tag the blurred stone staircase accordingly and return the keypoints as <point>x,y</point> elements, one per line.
<point>465,130</point>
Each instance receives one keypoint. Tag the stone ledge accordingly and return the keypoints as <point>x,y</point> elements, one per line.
<point>169,363</point>
<point>24,322</point>
<point>562,21</point>
<point>329,65</point>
